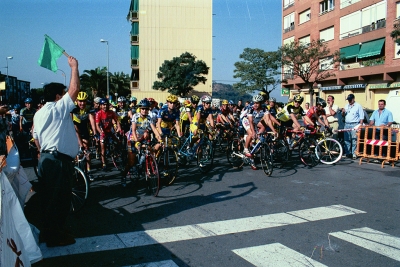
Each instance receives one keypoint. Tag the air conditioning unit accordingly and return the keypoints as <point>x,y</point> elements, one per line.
<point>134,62</point>
<point>134,15</point>
<point>134,84</point>
<point>134,38</point>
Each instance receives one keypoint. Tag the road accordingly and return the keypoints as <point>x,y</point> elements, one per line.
<point>342,215</point>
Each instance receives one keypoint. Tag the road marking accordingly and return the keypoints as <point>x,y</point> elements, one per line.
<point>202,230</point>
<point>167,263</point>
<point>275,254</point>
<point>373,240</point>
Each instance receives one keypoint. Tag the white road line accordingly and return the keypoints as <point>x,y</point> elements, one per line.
<point>202,230</point>
<point>167,263</point>
<point>275,254</point>
<point>373,240</point>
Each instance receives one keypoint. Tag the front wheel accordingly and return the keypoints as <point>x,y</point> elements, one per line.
<point>205,156</point>
<point>266,160</point>
<point>168,165</point>
<point>80,190</point>
<point>233,153</point>
<point>152,175</point>
<point>329,151</point>
<point>307,152</point>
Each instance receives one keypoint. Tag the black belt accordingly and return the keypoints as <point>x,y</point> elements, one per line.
<point>58,155</point>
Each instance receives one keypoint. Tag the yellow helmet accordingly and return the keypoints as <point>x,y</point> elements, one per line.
<point>82,96</point>
<point>224,102</point>
<point>187,103</point>
<point>172,98</point>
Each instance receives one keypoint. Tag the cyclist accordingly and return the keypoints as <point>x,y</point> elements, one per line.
<point>168,118</point>
<point>255,122</point>
<point>203,114</point>
<point>122,113</point>
<point>96,104</point>
<point>140,131</point>
<point>84,122</point>
<point>232,106</point>
<point>133,107</point>
<point>104,126</point>
<point>288,116</point>
<point>225,116</point>
<point>315,113</point>
<point>26,116</point>
<point>15,118</point>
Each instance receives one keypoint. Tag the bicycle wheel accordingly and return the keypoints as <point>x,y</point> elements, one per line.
<point>152,175</point>
<point>329,151</point>
<point>234,149</point>
<point>168,165</point>
<point>80,190</point>
<point>307,152</point>
<point>266,160</point>
<point>118,155</point>
<point>280,153</point>
<point>205,156</point>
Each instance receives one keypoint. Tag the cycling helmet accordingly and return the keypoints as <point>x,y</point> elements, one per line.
<point>97,100</point>
<point>133,98</point>
<point>258,98</point>
<point>28,100</point>
<point>298,98</point>
<point>144,103</point>
<point>230,102</point>
<point>17,106</point>
<point>82,96</point>
<point>151,99</point>
<point>224,102</point>
<point>172,98</point>
<point>103,101</point>
<point>121,99</point>
<point>205,98</point>
<point>321,103</point>
<point>272,99</point>
<point>187,103</point>
<point>194,99</point>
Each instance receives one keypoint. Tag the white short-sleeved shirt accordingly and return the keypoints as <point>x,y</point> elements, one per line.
<point>54,129</point>
<point>334,117</point>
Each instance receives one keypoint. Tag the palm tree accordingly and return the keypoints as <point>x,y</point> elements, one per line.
<point>120,83</point>
<point>94,81</point>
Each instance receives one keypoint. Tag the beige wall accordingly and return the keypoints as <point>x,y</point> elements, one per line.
<point>168,28</point>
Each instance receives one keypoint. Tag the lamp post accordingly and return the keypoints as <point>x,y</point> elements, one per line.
<point>7,82</point>
<point>65,77</point>
<point>108,66</point>
<point>10,57</point>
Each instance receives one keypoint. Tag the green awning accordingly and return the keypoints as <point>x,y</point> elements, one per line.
<point>135,28</point>
<point>134,52</point>
<point>372,48</point>
<point>349,51</point>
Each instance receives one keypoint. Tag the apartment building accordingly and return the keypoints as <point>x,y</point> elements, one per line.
<point>162,30</point>
<point>360,29</point>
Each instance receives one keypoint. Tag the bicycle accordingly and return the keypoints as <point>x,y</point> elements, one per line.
<point>116,149</point>
<point>167,158</point>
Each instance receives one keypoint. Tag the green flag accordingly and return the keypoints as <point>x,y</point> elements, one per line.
<point>50,53</point>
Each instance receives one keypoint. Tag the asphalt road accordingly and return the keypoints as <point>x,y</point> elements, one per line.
<point>342,215</point>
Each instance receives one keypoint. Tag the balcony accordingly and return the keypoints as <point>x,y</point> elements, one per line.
<point>288,29</point>
<point>379,24</point>
<point>288,5</point>
<point>363,63</point>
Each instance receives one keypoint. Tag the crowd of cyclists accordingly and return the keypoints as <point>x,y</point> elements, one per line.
<point>100,121</point>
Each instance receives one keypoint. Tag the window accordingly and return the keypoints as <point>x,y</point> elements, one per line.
<point>373,13</point>
<point>326,63</point>
<point>398,10</point>
<point>305,40</point>
<point>326,6</point>
<point>350,25</point>
<point>288,3</point>
<point>288,40</point>
<point>305,16</point>
<point>346,3</point>
<point>396,50</point>
<point>327,34</point>
<point>288,22</point>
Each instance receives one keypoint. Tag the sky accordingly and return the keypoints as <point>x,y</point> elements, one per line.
<point>78,26</point>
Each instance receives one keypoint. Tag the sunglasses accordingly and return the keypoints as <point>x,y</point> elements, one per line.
<point>144,108</point>
<point>209,103</point>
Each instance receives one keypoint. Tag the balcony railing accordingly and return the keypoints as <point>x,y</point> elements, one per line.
<point>363,63</point>
<point>288,29</point>
<point>288,5</point>
<point>374,26</point>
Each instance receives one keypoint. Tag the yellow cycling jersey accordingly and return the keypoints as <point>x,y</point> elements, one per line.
<point>184,113</point>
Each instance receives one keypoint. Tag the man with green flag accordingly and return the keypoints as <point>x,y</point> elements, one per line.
<point>51,52</point>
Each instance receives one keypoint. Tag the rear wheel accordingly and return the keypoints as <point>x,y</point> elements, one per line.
<point>307,152</point>
<point>266,160</point>
<point>152,175</point>
<point>80,190</point>
<point>280,153</point>
<point>235,148</point>
<point>118,154</point>
<point>205,156</point>
<point>329,151</point>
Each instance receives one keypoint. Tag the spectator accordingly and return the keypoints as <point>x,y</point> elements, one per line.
<point>26,116</point>
<point>3,129</point>
<point>58,145</point>
<point>306,107</point>
<point>354,115</point>
<point>331,111</point>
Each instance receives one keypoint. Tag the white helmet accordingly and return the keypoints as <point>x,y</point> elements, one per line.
<point>121,99</point>
<point>258,98</point>
<point>205,98</point>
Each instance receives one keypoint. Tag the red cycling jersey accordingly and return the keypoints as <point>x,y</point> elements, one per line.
<point>105,118</point>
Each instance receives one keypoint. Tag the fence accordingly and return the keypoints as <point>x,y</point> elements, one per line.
<point>381,143</point>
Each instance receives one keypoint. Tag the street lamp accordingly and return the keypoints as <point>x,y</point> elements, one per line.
<point>108,66</point>
<point>7,58</point>
<point>65,77</point>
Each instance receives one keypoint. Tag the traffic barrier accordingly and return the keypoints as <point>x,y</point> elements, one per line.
<point>378,142</point>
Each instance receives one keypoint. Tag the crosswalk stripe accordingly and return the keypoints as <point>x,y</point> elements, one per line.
<point>167,263</point>
<point>202,230</point>
<point>373,240</point>
<point>275,254</point>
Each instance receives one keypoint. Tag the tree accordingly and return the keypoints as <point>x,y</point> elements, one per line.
<point>395,34</point>
<point>181,74</point>
<point>120,83</point>
<point>303,61</point>
<point>257,71</point>
<point>94,81</point>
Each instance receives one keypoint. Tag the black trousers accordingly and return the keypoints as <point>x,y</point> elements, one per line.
<point>56,174</point>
